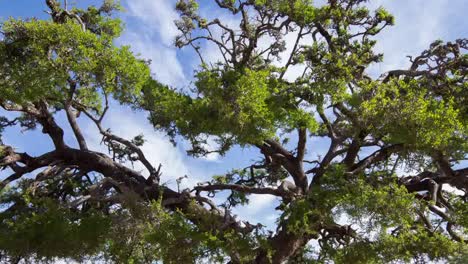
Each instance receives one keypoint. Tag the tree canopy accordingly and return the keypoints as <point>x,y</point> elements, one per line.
<point>76,202</point>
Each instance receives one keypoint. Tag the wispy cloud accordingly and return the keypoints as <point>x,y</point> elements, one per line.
<point>259,210</point>
<point>164,63</point>
<point>417,24</point>
<point>151,32</point>
<point>157,16</point>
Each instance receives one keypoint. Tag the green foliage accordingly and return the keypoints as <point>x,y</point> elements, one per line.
<point>460,210</point>
<point>460,257</point>
<point>410,243</point>
<point>41,228</point>
<point>374,202</point>
<point>388,203</point>
<point>171,238</point>
<point>44,230</point>
<point>242,106</point>
<point>301,11</point>
<point>407,246</point>
<point>156,235</point>
<point>404,112</point>
<point>100,20</point>
<point>43,60</point>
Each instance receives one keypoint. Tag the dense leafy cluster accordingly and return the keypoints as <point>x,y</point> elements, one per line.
<point>48,60</point>
<point>428,122</point>
<point>48,229</point>
<point>240,107</point>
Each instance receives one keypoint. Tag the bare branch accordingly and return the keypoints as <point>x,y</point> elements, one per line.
<point>301,145</point>
<point>375,157</point>
<point>241,188</point>
<point>71,116</point>
<point>293,52</point>
<point>154,173</point>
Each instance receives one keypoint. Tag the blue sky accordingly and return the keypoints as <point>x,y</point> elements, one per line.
<point>150,31</point>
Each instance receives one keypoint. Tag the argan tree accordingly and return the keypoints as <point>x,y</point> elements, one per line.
<point>390,188</point>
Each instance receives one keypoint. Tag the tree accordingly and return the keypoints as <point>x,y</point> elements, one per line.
<point>75,202</point>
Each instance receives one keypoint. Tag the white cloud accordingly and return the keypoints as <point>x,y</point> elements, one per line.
<point>151,34</point>
<point>157,15</point>
<point>164,63</point>
<point>259,210</point>
<point>260,201</point>
<point>453,190</point>
<point>417,24</point>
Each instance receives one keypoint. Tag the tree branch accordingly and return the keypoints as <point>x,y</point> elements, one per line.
<point>154,173</point>
<point>75,127</point>
<point>301,145</point>
<point>241,188</point>
<point>375,157</point>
